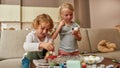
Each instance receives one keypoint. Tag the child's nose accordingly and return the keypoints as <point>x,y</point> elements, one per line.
<point>44,31</point>
<point>69,17</point>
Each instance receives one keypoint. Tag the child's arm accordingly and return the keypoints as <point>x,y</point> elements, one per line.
<point>38,46</point>
<point>31,45</point>
<point>57,30</point>
<point>47,46</point>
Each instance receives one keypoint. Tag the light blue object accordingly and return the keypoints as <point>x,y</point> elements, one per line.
<point>73,64</point>
<point>61,65</point>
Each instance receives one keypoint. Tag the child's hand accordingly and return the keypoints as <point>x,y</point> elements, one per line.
<point>47,46</point>
<point>75,32</point>
<point>62,23</point>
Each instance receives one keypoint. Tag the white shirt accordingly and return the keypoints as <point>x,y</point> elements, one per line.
<point>32,42</point>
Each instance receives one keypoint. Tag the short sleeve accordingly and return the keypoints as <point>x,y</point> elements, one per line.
<point>77,25</point>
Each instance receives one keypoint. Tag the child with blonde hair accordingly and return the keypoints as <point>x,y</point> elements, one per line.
<point>37,42</point>
<point>68,30</point>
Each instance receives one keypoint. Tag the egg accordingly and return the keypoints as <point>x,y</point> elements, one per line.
<point>75,28</point>
<point>86,59</point>
<point>50,52</point>
<point>91,60</point>
<point>97,59</point>
<point>91,56</point>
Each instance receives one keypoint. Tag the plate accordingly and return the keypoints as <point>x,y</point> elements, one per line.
<point>41,62</point>
<point>91,59</point>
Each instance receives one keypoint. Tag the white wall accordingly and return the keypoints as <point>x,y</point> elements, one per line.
<point>9,13</point>
<point>29,13</point>
<point>12,13</point>
<point>104,13</point>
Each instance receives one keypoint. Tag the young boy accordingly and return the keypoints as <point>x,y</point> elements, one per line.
<point>37,42</point>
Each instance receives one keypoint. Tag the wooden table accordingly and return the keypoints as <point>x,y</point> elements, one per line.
<point>32,65</point>
<point>106,61</point>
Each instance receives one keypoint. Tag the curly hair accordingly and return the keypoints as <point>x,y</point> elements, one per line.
<point>41,19</point>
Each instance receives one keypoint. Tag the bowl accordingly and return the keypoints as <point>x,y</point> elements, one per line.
<point>93,59</point>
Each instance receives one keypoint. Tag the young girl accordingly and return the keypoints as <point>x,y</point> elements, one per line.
<point>37,41</point>
<point>68,30</point>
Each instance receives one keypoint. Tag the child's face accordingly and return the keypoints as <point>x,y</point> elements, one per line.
<point>66,14</point>
<point>42,30</point>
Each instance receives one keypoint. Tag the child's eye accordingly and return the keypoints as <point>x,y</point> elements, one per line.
<point>47,29</point>
<point>42,28</point>
<point>66,15</point>
<point>71,14</point>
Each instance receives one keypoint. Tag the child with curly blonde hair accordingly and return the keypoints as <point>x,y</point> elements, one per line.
<point>37,42</point>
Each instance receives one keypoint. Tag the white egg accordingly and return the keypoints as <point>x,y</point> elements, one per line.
<point>86,59</point>
<point>91,56</point>
<point>76,28</point>
<point>91,60</point>
<point>50,52</point>
<point>97,59</point>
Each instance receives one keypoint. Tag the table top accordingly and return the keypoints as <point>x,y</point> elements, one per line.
<point>106,61</point>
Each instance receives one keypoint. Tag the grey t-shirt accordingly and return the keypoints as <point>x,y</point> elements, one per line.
<point>68,42</point>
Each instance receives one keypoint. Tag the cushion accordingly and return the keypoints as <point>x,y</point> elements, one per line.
<point>11,63</point>
<point>56,44</point>
<point>84,46</point>
<point>12,43</point>
<point>113,55</point>
<point>109,34</point>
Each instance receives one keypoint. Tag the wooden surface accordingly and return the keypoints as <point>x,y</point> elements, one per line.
<point>32,65</point>
<point>106,61</point>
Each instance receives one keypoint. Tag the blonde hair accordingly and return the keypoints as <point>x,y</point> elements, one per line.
<point>41,19</point>
<point>65,5</point>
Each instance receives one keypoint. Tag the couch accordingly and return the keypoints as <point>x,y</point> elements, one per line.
<point>11,44</point>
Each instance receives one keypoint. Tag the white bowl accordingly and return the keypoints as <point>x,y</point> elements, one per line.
<point>93,59</point>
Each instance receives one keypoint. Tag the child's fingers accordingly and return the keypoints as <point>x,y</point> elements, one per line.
<point>74,32</point>
<point>53,48</point>
<point>50,48</point>
<point>62,22</point>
